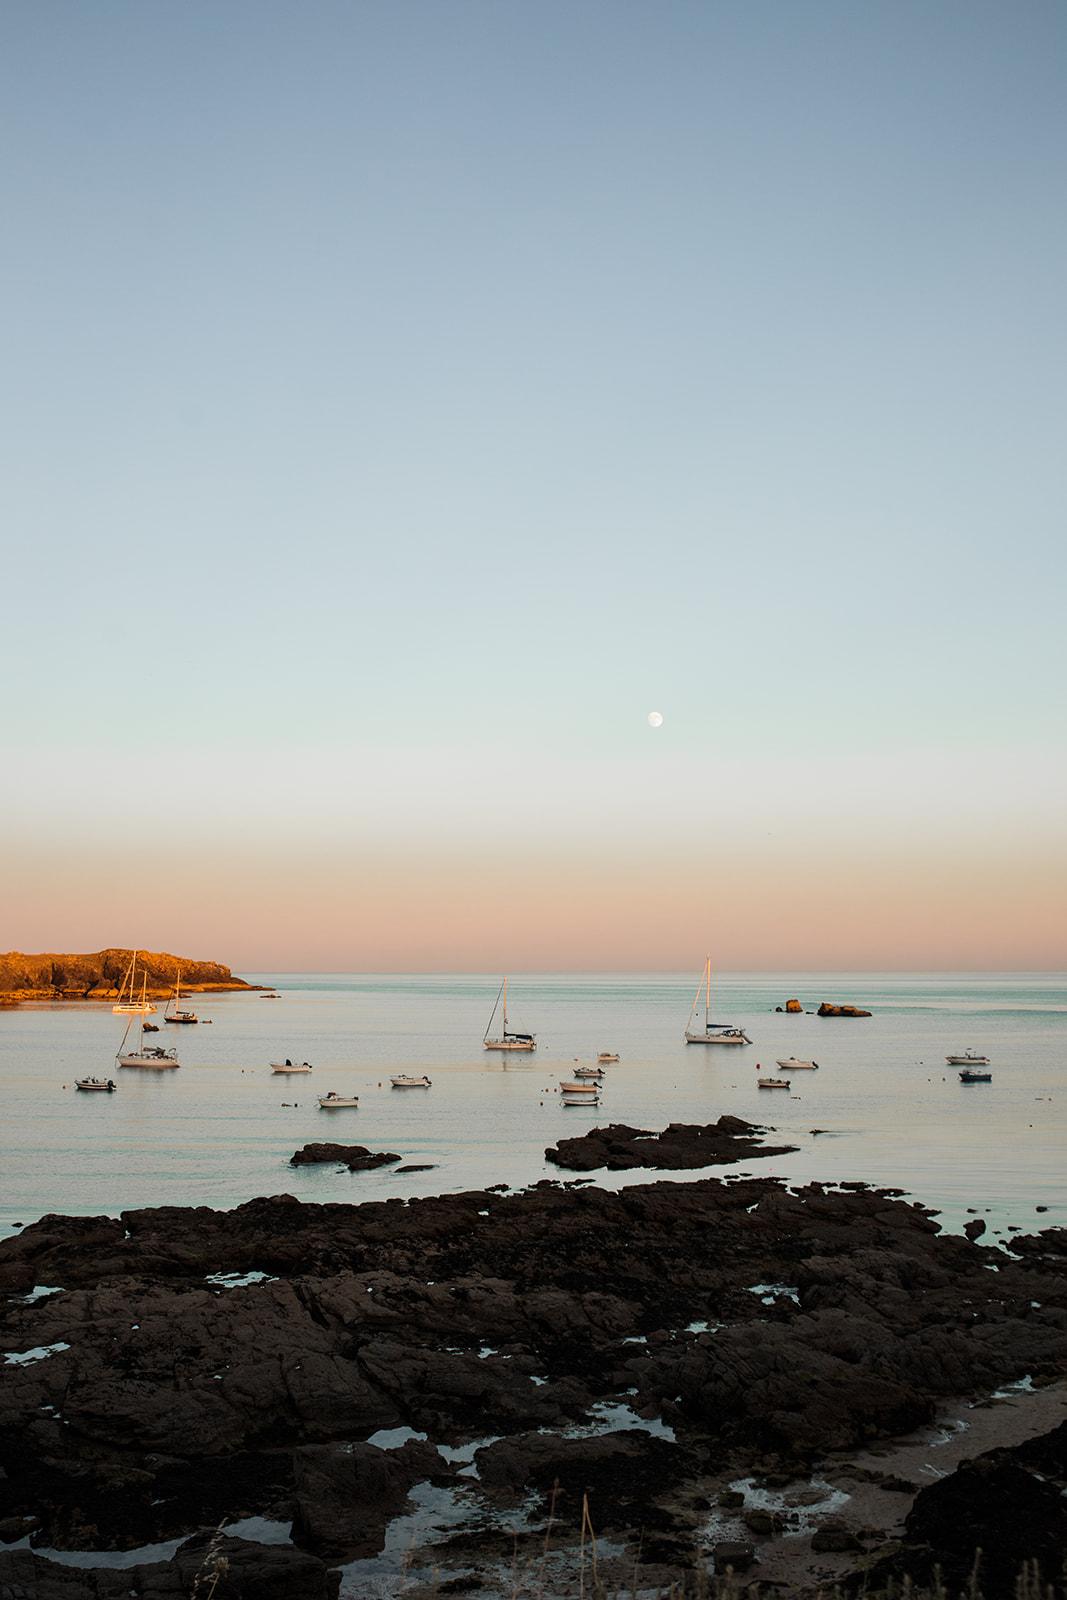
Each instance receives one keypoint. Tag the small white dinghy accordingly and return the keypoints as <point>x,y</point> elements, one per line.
<point>773,1083</point>
<point>100,1085</point>
<point>334,1101</point>
<point>791,1064</point>
<point>404,1080</point>
<point>291,1066</point>
<point>571,1096</point>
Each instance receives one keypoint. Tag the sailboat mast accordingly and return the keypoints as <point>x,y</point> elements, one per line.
<point>505,1033</point>
<point>492,1019</point>
<point>707,995</point>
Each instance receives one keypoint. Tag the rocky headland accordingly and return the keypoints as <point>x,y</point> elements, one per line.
<point>99,976</point>
<point>720,1366</point>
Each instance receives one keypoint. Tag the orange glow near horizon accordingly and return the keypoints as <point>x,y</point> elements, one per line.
<point>803,904</point>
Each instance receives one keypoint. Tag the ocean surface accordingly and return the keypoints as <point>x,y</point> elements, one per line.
<point>221,1130</point>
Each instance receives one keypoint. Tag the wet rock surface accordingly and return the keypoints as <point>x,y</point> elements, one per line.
<point>626,1347</point>
<point>681,1145</point>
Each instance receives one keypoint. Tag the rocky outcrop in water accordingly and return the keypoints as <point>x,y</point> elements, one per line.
<point>99,976</point>
<point>827,1009</point>
<point>356,1157</point>
<point>626,1345</point>
<point>681,1145</point>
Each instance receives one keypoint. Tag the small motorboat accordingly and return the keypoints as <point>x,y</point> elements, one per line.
<point>607,1055</point>
<point>969,1058</point>
<point>975,1075</point>
<point>334,1102</point>
<point>791,1064</point>
<point>569,1098</point>
<point>588,1072</point>
<point>587,1089</point>
<point>100,1085</point>
<point>404,1080</point>
<point>291,1066</point>
<point>773,1083</point>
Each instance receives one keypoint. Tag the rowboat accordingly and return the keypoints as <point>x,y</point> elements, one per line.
<point>291,1066</point>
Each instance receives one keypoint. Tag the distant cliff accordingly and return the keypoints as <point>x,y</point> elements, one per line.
<point>99,976</point>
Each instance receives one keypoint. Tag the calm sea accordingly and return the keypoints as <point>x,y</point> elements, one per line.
<point>221,1130</point>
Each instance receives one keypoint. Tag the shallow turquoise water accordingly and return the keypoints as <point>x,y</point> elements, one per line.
<point>219,1131</point>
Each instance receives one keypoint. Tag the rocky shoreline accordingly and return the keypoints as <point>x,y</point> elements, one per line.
<point>694,1362</point>
<point>69,978</point>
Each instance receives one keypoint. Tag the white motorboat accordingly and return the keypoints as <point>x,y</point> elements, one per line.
<point>146,1055</point>
<point>712,1032</point>
<point>607,1055</point>
<point>508,1040</point>
<point>791,1064</point>
<point>587,1089</point>
<point>128,1006</point>
<point>177,1014</point>
<point>569,1099</point>
<point>969,1058</point>
<point>773,1083</point>
<point>99,1085</point>
<point>589,1072</point>
<point>291,1066</point>
<point>404,1080</point>
<point>334,1102</point>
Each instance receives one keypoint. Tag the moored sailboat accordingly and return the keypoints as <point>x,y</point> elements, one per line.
<point>177,1014</point>
<point>712,1032</point>
<point>508,1040</point>
<point>127,1005</point>
<point>146,1055</point>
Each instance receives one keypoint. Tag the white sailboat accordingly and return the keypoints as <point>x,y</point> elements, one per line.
<point>508,1040</point>
<point>712,1032</point>
<point>177,1014</point>
<point>128,1006</point>
<point>146,1055</point>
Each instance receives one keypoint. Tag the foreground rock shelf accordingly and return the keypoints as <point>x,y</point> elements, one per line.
<point>681,1146</point>
<point>340,1369</point>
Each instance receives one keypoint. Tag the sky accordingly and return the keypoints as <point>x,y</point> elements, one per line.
<point>398,402</point>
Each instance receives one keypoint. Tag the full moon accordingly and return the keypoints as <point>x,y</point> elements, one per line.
<point>655,719</point>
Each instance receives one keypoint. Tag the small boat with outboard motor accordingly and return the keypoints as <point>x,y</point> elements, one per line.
<point>607,1055</point>
<point>334,1101</point>
<point>404,1080</point>
<point>95,1085</point>
<point>969,1058</point>
<point>773,1083</point>
<point>291,1066</point>
<point>791,1064</point>
<point>975,1075</point>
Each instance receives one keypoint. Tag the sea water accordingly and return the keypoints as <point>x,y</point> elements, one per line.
<point>221,1130</point>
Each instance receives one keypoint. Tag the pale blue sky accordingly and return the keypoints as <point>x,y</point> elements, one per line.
<point>419,376</point>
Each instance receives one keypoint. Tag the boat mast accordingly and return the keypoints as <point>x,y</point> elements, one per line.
<point>492,1018</point>
<point>505,993</point>
<point>707,994</point>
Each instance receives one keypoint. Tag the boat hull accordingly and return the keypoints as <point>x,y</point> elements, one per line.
<point>287,1071</point>
<point>133,1011</point>
<point>732,1037</point>
<point>509,1044</point>
<point>341,1103</point>
<point>411,1083</point>
<point>94,1086</point>
<point>967,1061</point>
<point>149,1063</point>
<point>793,1065</point>
<point>976,1077</point>
<point>773,1083</point>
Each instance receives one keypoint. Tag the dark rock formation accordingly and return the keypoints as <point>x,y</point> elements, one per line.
<point>1001,1511</point>
<point>794,1007</point>
<point>356,1157</point>
<point>228,1569</point>
<point>829,1010</point>
<point>554,1323</point>
<point>680,1145</point>
<point>99,976</point>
